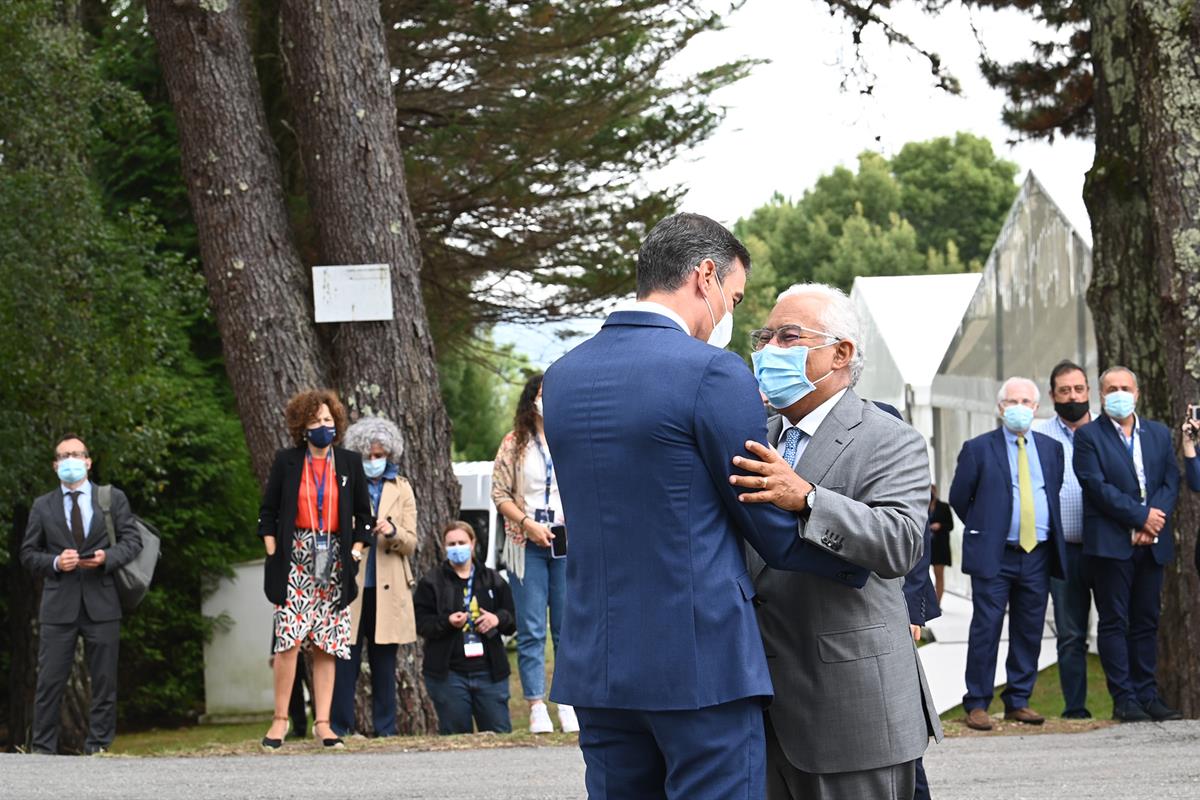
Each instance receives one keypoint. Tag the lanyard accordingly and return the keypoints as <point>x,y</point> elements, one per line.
<point>469,593</point>
<point>320,520</point>
<point>549,467</point>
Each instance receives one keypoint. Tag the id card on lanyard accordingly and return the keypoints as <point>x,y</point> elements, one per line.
<point>545,514</point>
<point>1131,446</point>
<point>472,642</point>
<point>322,557</point>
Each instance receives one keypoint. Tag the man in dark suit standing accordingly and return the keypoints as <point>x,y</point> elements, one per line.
<point>1126,466</point>
<point>65,545</point>
<point>661,655</point>
<point>1006,490</point>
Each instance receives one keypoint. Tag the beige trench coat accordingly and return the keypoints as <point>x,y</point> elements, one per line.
<point>395,622</point>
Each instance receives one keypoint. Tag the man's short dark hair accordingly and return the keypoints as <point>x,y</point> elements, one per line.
<point>66,437</point>
<point>1062,368</point>
<point>677,245</point>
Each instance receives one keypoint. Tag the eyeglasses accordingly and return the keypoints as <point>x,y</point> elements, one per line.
<point>787,336</point>
<point>71,454</point>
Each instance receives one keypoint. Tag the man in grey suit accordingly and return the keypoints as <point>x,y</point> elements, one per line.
<point>66,544</point>
<point>852,709</point>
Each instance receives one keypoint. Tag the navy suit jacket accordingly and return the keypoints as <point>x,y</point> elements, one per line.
<point>643,422</point>
<point>1112,504</point>
<point>981,495</point>
<point>919,591</point>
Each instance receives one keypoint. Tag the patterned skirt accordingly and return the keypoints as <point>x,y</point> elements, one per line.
<point>311,613</point>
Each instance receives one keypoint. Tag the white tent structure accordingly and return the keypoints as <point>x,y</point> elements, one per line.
<point>1029,312</point>
<point>908,321</point>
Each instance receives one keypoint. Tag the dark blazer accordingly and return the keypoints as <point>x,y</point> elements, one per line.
<point>277,517</point>
<point>643,422</point>
<point>919,591</point>
<point>48,534</point>
<point>981,495</point>
<point>437,597</point>
<point>1112,504</point>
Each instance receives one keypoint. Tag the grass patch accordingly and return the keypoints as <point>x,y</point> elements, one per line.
<point>243,738</point>
<point>1046,699</point>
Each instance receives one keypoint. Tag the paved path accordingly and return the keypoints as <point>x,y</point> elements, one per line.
<point>1131,762</point>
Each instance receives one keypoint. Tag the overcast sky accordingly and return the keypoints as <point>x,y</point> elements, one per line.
<point>789,121</point>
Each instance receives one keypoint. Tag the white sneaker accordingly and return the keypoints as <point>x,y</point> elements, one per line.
<point>539,719</point>
<point>566,718</point>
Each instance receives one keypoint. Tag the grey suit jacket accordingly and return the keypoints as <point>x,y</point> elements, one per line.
<point>48,534</point>
<point>850,694</point>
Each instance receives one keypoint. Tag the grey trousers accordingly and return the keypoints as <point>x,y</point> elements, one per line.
<point>786,782</point>
<point>56,657</point>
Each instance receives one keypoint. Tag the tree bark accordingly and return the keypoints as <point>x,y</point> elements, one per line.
<point>257,284</point>
<point>1143,195</point>
<point>339,82</point>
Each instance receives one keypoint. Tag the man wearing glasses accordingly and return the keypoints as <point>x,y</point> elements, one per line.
<point>1006,490</point>
<point>66,544</point>
<point>852,710</point>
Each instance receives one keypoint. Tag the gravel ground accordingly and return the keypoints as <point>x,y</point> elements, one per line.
<point>1129,762</point>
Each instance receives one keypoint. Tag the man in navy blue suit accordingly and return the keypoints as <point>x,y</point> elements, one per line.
<point>1006,491</point>
<point>661,654</point>
<point>1126,466</point>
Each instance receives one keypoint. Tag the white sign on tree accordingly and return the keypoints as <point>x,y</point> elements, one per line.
<point>352,293</point>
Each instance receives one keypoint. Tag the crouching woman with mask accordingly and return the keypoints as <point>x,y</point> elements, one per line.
<point>462,607</point>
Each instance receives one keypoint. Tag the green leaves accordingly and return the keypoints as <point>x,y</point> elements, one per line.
<point>936,206</point>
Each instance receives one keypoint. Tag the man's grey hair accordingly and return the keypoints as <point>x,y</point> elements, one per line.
<point>839,317</point>
<point>370,430</point>
<point>1118,368</point>
<point>1002,392</point>
<point>677,245</point>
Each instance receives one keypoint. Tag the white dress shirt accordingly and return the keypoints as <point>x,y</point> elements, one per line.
<point>808,425</point>
<point>660,309</point>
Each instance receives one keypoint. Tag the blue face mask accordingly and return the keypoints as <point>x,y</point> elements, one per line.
<point>1119,404</point>
<point>1018,418</point>
<point>71,470</point>
<point>323,436</point>
<point>458,553</point>
<point>374,467</point>
<point>782,373</point>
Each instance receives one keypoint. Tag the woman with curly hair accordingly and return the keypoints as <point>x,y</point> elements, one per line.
<point>314,522</point>
<point>382,614</point>
<point>525,492</point>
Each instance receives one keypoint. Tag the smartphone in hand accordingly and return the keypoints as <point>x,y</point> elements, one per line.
<point>558,545</point>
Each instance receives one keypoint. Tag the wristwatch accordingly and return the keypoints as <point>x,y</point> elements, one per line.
<point>811,498</point>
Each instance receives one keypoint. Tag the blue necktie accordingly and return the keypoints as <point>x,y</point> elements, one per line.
<point>791,441</point>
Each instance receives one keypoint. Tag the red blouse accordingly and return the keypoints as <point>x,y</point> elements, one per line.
<point>317,471</point>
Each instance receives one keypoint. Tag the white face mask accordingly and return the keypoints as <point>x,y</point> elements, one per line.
<point>537,403</point>
<point>722,332</point>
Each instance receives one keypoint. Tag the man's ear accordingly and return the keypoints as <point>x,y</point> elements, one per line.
<point>843,354</point>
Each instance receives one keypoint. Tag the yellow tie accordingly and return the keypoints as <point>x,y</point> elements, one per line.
<point>1025,485</point>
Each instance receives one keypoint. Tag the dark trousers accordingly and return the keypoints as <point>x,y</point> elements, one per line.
<point>463,696</point>
<point>1072,604</point>
<point>382,658</point>
<point>922,790</point>
<point>715,752</point>
<point>297,709</point>
<point>56,657</point>
<point>1128,593</point>
<point>1023,584</point>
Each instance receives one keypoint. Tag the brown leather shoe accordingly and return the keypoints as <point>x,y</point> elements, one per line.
<point>1026,715</point>
<point>978,719</point>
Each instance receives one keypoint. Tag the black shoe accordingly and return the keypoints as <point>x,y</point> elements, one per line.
<point>100,751</point>
<point>336,741</point>
<point>1159,712</point>
<point>1082,713</point>
<point>271,745</point>
<point>1130,711</point>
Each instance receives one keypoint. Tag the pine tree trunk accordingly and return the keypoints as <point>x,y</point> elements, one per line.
<point>257,284</point>
<point>338,80</point>
<point>1143,195</point>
